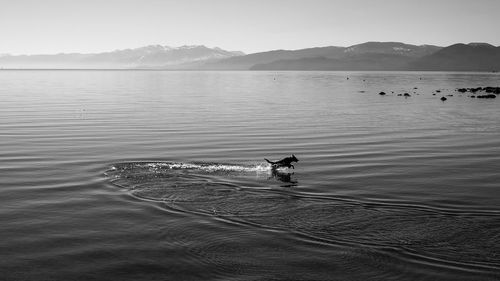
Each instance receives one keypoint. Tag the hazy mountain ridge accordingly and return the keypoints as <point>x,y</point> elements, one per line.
<point>248,61</point>
<point>461,57</point>
<point>392,48</point>
<point>365,56</point>
<point>152,56</point>
<point>368,62</point>
<point>399,56</point>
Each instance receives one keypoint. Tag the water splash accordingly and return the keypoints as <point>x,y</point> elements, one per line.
<point>207,167</point>
<point>200,184</point>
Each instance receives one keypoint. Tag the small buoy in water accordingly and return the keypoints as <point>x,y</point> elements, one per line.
<point>443,98</point>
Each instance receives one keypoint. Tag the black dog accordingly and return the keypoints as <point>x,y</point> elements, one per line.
<point>285,162</point>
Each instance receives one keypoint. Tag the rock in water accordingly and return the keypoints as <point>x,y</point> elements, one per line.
<point>490,96</point>
<point>443,98</point>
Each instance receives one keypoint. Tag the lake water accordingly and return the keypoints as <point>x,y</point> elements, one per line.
<point>159,175</point>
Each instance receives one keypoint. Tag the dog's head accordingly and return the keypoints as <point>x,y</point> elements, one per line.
<point>294,158</point>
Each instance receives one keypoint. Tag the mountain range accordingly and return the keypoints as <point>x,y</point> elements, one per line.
<point>365,56</point>
<point>153,56</point>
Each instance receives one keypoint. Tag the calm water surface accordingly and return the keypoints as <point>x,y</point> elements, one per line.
<point>152,175</point>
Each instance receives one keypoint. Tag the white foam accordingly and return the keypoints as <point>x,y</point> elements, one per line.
<point>209,167</point>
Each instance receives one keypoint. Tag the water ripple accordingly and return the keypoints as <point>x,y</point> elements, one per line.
<point>465,241</point>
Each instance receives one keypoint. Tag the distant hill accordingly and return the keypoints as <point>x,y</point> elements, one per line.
<point>366,62</point>
<point>391,48</point>
<point>398,56</point>
<point>461,57</point>
<point>366,56</point>
<point>153,56</point>
<point>248,61</point>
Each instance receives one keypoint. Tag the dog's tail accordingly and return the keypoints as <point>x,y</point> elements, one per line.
<point>270,162</point>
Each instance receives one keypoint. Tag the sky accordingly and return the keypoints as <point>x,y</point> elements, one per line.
<point>89,26</point>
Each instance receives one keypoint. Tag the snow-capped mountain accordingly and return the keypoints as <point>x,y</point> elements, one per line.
<point>153,56</point>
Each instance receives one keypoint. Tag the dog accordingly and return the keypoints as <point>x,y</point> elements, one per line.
<point>285,162</point>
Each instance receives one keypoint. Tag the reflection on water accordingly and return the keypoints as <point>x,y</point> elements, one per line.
<point>285,177</point>
<point>159,175</point>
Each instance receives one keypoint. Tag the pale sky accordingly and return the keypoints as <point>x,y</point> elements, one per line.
<point>55,26</point>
